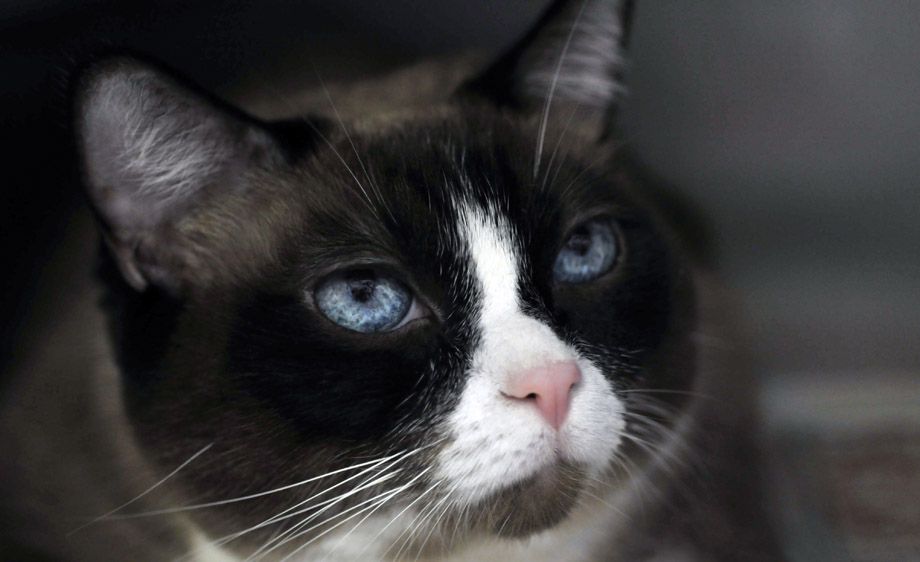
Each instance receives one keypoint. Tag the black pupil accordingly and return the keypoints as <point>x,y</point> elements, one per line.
<point>362,285</point>
<point>580,241</point>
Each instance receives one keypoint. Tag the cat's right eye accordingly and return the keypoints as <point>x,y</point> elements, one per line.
<point>366,301</point>
<point>589,252</point>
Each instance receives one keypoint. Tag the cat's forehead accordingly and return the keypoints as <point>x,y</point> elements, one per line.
<point>420,175</point>
<point>399,194</point>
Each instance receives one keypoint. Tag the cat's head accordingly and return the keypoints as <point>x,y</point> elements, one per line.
<point>441,320</point>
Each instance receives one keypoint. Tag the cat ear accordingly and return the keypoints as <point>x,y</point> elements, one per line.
<point>152,149</point>
<point>574,56</point>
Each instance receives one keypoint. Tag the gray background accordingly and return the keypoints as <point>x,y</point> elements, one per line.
<point>797,126</point>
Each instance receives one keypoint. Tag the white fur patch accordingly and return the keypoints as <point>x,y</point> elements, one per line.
<point>496,441</point>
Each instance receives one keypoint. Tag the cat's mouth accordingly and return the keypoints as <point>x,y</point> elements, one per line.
<point>535,503</point>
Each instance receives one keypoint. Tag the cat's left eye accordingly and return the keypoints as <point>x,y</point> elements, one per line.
<point>590,251</point>
<point>366,301</point>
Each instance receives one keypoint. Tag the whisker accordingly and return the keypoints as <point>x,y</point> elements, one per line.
<point>398,457</point>
<point>603,501</point>
<point>401,488</point>
<point>326,505</point>
<point>690,393</point>
<point>447,501</point>
<point>250,496</point>
<point>638,482</point>
<point>574,181</point>
<point>415,526</point>
<point>411,528</point>
<point>266,83</point>
<point>398,515</point>
<point>376,499</point>
<point>461,519</point>
<point>389,494</point>
<point>296,530</point>
<point>552,158</point>
<point>362,520</point>
<point>367,198</point>
<point>654,450</point>
<point>504,522</point>
<point>650,405</point>
<point>674,452</point>
<point>287,513</point>
<point>351,142</point>
<point>541,135</point>
<point>145,492</point>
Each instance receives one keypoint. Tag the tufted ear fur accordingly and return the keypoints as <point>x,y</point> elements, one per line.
<point>152,149</point>
<point>573,56</point>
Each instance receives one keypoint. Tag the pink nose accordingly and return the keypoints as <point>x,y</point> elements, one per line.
<point>549,387</point>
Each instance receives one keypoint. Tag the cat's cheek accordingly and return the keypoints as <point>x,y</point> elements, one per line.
<point>596,422</point>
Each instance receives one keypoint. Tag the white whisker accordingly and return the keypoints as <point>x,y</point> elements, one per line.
<point>541,135</point>
<point>411,523</point>
<point>666,391</point>
<point>448,503</point>
<point>326,505</point>
<point>360,507</point>
<point>389,494</point>
<point>552,158</point>
<point>402,488</point>
<point>250,496</point>
<point>287,513</point>
<point>145,492</point>
<point>398,515</point>
<point>354,148</point>
<point>293,511</point>
<point>413,527</point>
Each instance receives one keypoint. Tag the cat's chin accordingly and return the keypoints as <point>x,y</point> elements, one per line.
<point>537,502</point>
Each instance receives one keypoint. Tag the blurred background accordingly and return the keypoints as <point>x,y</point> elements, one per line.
<point>794,125</point>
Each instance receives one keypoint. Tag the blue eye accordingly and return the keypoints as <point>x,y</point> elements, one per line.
<point>363,300</point>
<point>588,253</point>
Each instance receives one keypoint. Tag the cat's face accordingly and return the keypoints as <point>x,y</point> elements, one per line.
<point>441,320</point>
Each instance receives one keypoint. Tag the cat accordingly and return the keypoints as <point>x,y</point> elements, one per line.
<point>441,315</point>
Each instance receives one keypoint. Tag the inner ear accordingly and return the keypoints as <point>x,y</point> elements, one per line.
<point>573,56</point>
<point>154,149</point>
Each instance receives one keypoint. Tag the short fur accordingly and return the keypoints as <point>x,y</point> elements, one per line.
<point>399,445</point>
